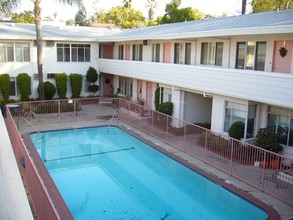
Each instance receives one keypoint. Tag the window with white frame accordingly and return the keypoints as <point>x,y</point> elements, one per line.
<point>251,55</point>
<point>121,52</point>
<point>73,52</point>
<point>137,51</point>
<point>165,95</point>
<point>156,53</point>
<point>125,86</point>
<point>280,122</point>
<point>234,112</point>
<point>182,53</point>
<point>13,87</point>
<point>18,52</point>
<point>212,53</point>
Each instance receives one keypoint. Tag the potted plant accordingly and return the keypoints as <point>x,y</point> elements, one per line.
<point>269,141</point>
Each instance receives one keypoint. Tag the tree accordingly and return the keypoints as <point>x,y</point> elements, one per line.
<point>174,14</point>
<point>152,5</point>
<point>270,5</point>
<point>80,17</point>
<point>23,17</point>
<point>127,3</point>
<point>124,17</point>
<point>8,5</point>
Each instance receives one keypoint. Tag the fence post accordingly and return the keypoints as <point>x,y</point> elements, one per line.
<point>205,146</point>
<point>167,128</point>
<point>152,122</point>
<point>263,171</point>
<point>59,112</point>
<point>231,158</point>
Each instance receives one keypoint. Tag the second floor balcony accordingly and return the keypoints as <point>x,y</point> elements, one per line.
<point>264,87</point>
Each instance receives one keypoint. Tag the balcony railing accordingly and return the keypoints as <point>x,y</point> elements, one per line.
<point>264,87</point>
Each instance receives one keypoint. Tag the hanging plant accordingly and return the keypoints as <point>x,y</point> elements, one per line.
<point>283,51</point>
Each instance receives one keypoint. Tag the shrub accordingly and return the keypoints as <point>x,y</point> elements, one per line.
<point>92,75</point>
<point>93,88</point>
<point>61,84</point>
<point>166,108</point>
<point>76,84</point>
<point>49,90</point>
<point>5,86</point>
<point>237,130</point>
<point>268,140</point>
<point>23,81</point>
<point>157,98</point>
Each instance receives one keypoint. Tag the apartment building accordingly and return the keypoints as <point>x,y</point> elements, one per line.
<point>215,71</point>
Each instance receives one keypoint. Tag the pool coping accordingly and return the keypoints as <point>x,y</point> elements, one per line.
<point>62,207</point>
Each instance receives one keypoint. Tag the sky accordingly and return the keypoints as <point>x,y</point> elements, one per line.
<point>65,12</point>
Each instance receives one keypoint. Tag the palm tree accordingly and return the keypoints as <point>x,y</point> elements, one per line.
<point>243,8</point>
<point>127,3</point>
<point>11,4</point>
<point>152,5</point>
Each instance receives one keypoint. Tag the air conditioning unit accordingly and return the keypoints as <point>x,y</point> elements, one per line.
<point>50,43</point>
<point>145,42</point>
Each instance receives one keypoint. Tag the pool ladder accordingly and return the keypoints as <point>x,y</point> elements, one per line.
<point>39,133</point>
<point>113,116</point>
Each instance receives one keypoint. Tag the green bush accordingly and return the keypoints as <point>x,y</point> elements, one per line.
<point>61,84</point>
<point>157,98</point>
<point>49,90</point>
<point>23,81</point>
<point>5,86</point>
<point>237,130</point>
<point>268,140</point>
<point>76,84</point>
<point>92,75</point>
<point>166,108</point>
<point>93,88</point>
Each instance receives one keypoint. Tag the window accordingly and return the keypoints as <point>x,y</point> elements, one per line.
<point>50,75</point>
<point>63,52</point>
<point>156,53</point>
<point>121,52</point>
<point>19,52</point>
<point>125,86</point>
<point>80,52</point>
<point>73,52</point>
<point>13,88</point>
<point>251,55</point>
<point>212,53</point>
<point>178,53</point>
<point>137,52</point>
<point>280,122</point>
<point>188,53</point>
<point>233,112</point>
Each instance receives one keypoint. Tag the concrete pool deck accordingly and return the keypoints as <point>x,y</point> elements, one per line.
<point>285,210</point>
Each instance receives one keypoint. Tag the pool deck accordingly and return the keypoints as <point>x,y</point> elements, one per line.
<point>89,118</point>
<point>285,210</point>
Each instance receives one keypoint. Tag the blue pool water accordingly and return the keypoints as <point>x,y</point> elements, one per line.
<point>105,173</point>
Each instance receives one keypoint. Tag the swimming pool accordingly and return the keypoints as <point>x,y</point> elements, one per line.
<point>106,173</point>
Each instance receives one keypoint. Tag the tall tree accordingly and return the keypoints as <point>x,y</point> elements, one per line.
<point>123,17</point>
<point>270,5</point>
<point>80,17</point>
<point>152,5</point>
<point>9,5</point>
<point>127,3</point>
<point>243,8</point>
<point>23,17</point>
<point>173,14</point>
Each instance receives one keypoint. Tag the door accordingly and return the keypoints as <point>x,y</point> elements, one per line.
<point>283,61</point>
<point>149,96</point>
<point>107,84</point>
<point>167,53</point>
<point>127,52</point>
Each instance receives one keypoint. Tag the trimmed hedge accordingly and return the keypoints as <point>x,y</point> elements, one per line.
<point>166,108</point>
<point>5,86</point>
<point>92,75</point>
<point>93,88</point>
<point>157,97</point>
<point>237,130</point>
<point>49,90</point>
<point>268,140</point>
<point>76,84</point>
<point>61,85</point>
<point>23,81</point>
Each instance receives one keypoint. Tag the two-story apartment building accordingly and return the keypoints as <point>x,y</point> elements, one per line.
<point>218,71</point>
